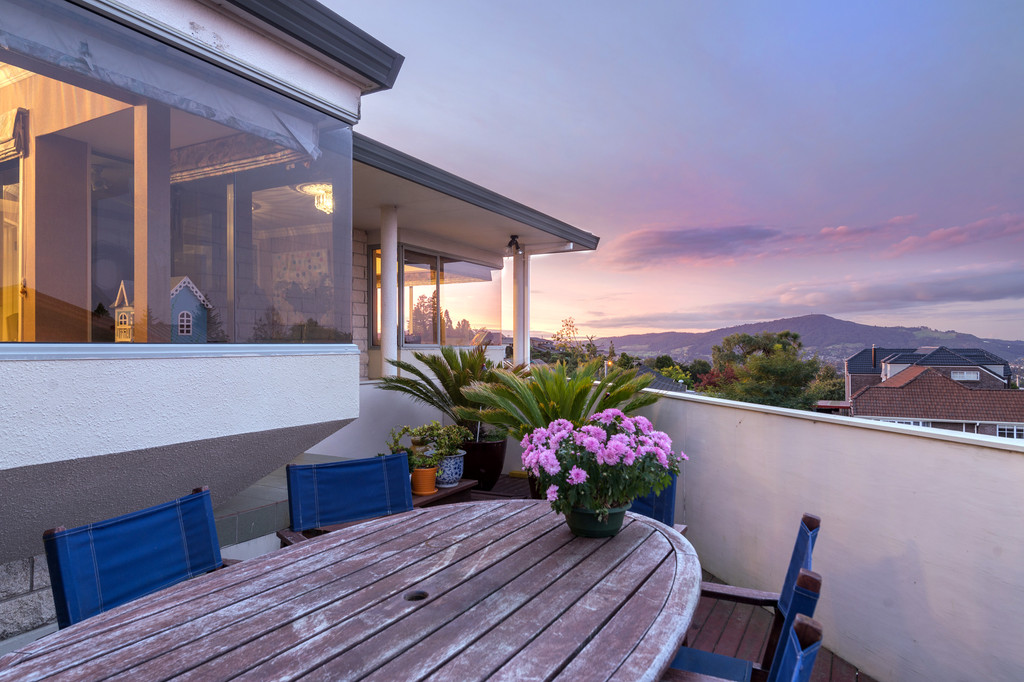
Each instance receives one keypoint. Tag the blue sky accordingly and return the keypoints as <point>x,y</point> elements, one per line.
<point>741,161</point>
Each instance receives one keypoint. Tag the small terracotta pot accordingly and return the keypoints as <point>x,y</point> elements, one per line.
<point>423,481</point>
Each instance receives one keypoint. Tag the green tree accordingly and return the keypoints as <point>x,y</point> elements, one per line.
<point>828,384</point>
<point>698,368</point>
<point>768,369</point>
<point>664,362</point>
<point>627,361</point>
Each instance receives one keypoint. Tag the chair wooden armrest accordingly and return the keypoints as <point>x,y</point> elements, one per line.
<point>290,537</point>
<point>742,595</point>
<point>680,528</point>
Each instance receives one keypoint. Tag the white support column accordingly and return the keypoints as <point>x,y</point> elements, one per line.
<point>521,308</point>
<point>388,288</point>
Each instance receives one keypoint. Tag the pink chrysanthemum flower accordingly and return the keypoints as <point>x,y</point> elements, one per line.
<point>552,493</point>
<point>577,475</point>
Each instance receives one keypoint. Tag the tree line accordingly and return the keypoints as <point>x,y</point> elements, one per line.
<point>770,368</point>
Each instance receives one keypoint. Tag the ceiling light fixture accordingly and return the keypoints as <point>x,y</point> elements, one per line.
<point>322,193</point>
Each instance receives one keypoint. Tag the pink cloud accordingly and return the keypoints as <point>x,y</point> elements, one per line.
<point>1005,227</point>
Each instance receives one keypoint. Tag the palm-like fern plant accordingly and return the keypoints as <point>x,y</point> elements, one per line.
<point>521,404</point>
<point>441,385</point>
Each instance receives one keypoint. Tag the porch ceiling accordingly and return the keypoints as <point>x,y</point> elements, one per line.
<point>435,202</point>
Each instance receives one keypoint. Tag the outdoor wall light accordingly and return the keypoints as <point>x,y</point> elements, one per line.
<point>513,245</point>
<point>322,193</point>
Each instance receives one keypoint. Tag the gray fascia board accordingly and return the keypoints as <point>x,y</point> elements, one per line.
<point>318,27</point>
<point>392,161</point>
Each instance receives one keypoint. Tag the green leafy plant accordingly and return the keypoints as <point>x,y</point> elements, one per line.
<point>441,385</point>
<point>447,440</point>
<point>523,403</point>
<point>429,443</point>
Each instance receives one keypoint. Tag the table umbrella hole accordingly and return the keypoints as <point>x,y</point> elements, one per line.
<point>416,595</point>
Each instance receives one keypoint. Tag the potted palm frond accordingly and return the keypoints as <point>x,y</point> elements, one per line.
<point>440,386</point>
<point>519,404</point>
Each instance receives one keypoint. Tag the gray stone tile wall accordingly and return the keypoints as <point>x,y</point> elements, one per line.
<point>25,599</point>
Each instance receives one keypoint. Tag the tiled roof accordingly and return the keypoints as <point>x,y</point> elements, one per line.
<point>860,362</point>
<point>944,357</point>
<point>923,393</point>
<point>661,382</point>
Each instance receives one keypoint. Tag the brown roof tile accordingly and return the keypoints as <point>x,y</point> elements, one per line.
<point>924,393</point>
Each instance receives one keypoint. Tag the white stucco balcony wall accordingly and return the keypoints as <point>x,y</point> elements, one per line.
<point>921,541</point>
<point>64,401</point>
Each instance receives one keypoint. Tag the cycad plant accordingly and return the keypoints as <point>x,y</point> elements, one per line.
<point>521,404</point>
<point>441,385</point>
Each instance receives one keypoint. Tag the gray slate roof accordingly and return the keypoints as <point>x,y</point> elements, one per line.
<point>860,362</point>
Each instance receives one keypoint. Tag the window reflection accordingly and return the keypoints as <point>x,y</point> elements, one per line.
<point>445,300</point>
<point>419,278</point>
<point>148,223</point>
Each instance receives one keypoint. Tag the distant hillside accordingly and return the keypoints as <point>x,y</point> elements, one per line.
<point>830,339</point>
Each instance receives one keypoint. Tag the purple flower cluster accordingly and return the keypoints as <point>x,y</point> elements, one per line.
<point>612,458</point>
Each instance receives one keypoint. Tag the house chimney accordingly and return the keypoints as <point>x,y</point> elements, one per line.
<point>873,363</point>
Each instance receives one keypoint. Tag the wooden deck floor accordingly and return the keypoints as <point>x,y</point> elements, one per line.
<point>722,627</point>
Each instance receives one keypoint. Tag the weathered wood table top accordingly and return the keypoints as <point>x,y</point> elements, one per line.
<point>495,590</point>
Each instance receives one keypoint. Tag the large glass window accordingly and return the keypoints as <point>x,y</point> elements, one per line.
<point>444,300</point>
<point>162,189</point>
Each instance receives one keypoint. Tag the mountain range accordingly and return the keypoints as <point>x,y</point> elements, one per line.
<point>831,339</point>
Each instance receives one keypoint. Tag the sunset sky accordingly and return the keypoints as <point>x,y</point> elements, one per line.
<point>741,161</point>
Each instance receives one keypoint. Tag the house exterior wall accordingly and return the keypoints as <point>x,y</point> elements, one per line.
<point>855,382</point>
<point>905,533</point>
<point>985,379</point>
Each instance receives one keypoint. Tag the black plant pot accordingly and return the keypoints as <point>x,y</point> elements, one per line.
<point>484,461</point>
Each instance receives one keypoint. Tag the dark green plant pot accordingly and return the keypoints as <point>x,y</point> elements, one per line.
<point>484,461</point>
<point>585,524</point>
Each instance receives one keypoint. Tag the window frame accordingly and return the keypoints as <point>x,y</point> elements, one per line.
<point>374,299</point>
<point>184,323</point>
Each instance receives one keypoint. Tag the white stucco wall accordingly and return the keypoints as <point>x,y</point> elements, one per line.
<point>250,47</point>
<point>380,411</point>
<point>922,536</point>
<point>70,401</point>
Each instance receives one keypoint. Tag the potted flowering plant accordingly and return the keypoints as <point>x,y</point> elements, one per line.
<point>592,473</point>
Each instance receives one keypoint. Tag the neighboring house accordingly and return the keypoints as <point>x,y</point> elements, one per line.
<point>925,396</point>
<point>211,141</point>
<point>972,367</point>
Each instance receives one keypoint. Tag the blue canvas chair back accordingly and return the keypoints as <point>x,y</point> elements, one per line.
<point>348,490</point>
<point>95,567</point>
<point>801,558</point>
<point>803,601</point>
<point>796,661</point>
<point>660,507</point>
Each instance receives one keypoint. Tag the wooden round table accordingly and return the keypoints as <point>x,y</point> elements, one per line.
<point>483,590</point>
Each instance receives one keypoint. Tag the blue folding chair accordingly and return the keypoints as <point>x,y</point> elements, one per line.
<point>95,567</point>
<point>800,651</point>
<point>325,497</point>
<point>660,507</point>
<point>799,595</point>
<point>804,598</point>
